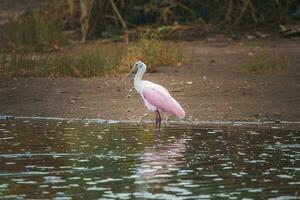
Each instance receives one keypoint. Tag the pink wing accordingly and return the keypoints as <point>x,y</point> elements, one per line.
<point>163,101</point>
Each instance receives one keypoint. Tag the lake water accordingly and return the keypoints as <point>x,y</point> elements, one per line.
<point>53,159</point>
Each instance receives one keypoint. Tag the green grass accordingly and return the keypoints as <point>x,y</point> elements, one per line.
<point>268,62</point>
<point>171,54</point>
<point>152,51</point>
<point>20,64</point>
<point>92,60</point>
<point>87,62</point>
<point>32,32</point>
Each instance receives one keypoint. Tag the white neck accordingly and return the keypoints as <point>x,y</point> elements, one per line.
<point>138,79</point>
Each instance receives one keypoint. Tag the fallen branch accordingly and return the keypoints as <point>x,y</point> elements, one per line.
<point>290,31</point>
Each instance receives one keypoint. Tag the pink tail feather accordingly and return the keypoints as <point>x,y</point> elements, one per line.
<point>178,110</point>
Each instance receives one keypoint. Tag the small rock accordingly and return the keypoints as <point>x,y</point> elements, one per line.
<point>128,96</point>
<point>189,82</point>
<point>258,115</point>
<point>250,37</point>
<point>73,101</point>
<point>250,54</point>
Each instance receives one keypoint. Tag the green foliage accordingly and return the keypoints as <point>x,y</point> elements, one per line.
<point>151,50</point>
<point>85,63</point>
<point>171,54</point>
<point>94,60</point>
<point>21,64</point>
<point>33,32</point>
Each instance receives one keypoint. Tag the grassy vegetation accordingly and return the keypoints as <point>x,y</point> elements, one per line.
<point>33,32</point>
<point>152,51</point>
<point>86,62</point>
<point>266,62</point>
<point>93,60</point>
<point>34,46</point>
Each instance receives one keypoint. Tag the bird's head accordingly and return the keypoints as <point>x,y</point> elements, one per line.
<point>140,66</point>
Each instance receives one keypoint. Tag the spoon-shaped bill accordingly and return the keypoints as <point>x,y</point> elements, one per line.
<point>127,74</point>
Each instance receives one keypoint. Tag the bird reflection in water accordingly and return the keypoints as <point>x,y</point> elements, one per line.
<point>159,163</point>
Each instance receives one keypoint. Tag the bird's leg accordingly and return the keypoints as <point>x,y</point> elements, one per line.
<point>157,120</point>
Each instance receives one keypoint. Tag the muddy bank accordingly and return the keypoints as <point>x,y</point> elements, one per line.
<point>213,84</point>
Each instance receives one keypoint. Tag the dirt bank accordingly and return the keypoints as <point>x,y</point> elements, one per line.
<point>213,84</point>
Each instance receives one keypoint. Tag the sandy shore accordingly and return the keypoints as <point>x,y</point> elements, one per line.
<point>212,85</point>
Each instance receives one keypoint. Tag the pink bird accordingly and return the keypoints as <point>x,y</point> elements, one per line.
<point>156,98</point>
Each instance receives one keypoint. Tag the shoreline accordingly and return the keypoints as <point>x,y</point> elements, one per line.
<point>291,125</point>
<point>212,85</point>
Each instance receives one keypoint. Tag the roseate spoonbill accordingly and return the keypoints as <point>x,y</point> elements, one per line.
<point>156,98</point>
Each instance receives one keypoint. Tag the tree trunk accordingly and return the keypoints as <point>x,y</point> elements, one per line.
<point>86,11</point>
